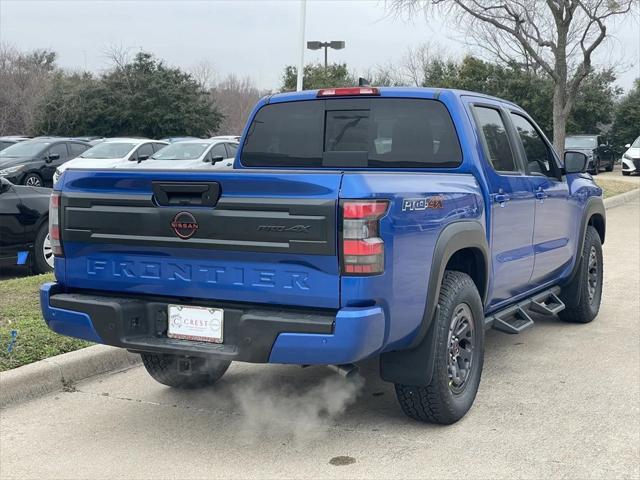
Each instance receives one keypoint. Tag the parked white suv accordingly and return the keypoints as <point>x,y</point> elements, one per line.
<point>631,158</point>
<point>113,153</point>
<point>194,154</point>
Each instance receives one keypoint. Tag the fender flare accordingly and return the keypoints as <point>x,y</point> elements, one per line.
<point>414,365</point>
<point>570,293</point>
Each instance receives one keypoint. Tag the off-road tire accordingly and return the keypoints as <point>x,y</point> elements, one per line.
<point>587,308</point>
<point>38,261</point>
<point>609,168</point>
<point>437,402</point>
<point>33,180</point>
<point>165,369</point>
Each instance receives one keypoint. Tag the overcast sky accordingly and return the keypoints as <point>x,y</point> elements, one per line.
<point>250,38</point>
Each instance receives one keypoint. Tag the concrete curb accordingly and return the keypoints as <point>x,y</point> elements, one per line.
<point>55,373</point>
<point>623,198</point>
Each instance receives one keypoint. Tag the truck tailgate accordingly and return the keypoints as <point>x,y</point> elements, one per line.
<point>257,236</point>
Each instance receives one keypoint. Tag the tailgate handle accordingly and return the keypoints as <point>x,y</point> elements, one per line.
<point>186,193</point>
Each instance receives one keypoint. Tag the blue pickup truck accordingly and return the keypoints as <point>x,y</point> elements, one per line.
<point>396,223</point>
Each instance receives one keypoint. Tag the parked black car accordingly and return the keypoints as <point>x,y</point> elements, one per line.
<point>596,148</point>
<point>33,162</point>
<point>24,226</point>
<point>11,140</point>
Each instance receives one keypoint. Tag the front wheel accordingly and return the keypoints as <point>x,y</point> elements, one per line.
<point>459,356</point>
<point>33,180</point>
<point>596,167</point>
<point>609,167</point>
<point>184,372</point>
<point>626,174</point>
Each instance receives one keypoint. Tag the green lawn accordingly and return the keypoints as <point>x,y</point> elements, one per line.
<point>615,187</point>
<point>20,311</point>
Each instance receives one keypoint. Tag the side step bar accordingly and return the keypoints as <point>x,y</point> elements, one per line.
<point>516,318</point>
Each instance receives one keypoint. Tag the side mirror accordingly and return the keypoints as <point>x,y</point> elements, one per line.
<point>575,162</point>
<point>216,159</point>
<point>142,158</point>
<point>5,185</point>
<point>628,145</point>
<point>52,157</point>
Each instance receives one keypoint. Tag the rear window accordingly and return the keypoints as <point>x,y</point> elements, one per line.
<point>378,132</point>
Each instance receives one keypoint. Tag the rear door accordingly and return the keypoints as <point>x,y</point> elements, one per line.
<point>255,236</point>
<point>512,205</point>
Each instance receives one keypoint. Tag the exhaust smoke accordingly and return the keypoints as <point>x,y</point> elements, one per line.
<point>297,413</point>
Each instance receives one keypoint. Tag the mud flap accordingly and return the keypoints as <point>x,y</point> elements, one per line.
<point>414,366</point>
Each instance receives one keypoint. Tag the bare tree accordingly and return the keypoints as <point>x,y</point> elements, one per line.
<point>118,55</point>
<point>556,36</point>
<point>25,78</point>
<point>205,74</point>
<point>235,98</point>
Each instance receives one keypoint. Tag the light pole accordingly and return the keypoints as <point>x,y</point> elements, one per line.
<point>335,44</point>
<point>303,16</point>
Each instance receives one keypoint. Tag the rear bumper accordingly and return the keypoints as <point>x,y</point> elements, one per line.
<point>253,333</point>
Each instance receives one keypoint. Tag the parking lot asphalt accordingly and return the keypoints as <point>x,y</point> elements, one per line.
<point>617,175</point>
<point>558,400</point>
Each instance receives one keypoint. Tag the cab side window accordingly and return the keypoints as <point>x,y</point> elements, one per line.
<point>496,140</point>
<point>218,151</point>
<point>538,155</point>
<point>158,146</point>
<point>143,152</point>
<point>58,149</point>
<point>76,149</point>
<point>232,148</point>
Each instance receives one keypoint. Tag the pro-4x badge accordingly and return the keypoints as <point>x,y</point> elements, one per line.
<point>283,228</point>
<point>424,203</point>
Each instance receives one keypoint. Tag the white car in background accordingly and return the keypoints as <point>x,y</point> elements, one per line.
<point>194,154</point>
<point>113,153</point>
<point>631,158</point>
<point>232,138</point>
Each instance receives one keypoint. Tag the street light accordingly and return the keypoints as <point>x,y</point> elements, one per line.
<point>336,45</point>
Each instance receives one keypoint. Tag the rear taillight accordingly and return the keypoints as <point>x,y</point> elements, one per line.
<point>54,224</point>
<point>362,247</point>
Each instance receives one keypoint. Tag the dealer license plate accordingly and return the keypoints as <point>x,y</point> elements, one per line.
<point>200,324</point>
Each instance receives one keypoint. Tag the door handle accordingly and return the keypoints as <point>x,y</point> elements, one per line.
<point>501,198</point>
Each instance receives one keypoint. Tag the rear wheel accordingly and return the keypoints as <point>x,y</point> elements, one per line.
<point>42,260</point>
<point>459,351</point>
<point>184,372</point>
<point>609,167</point>
<point>589,281</point>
